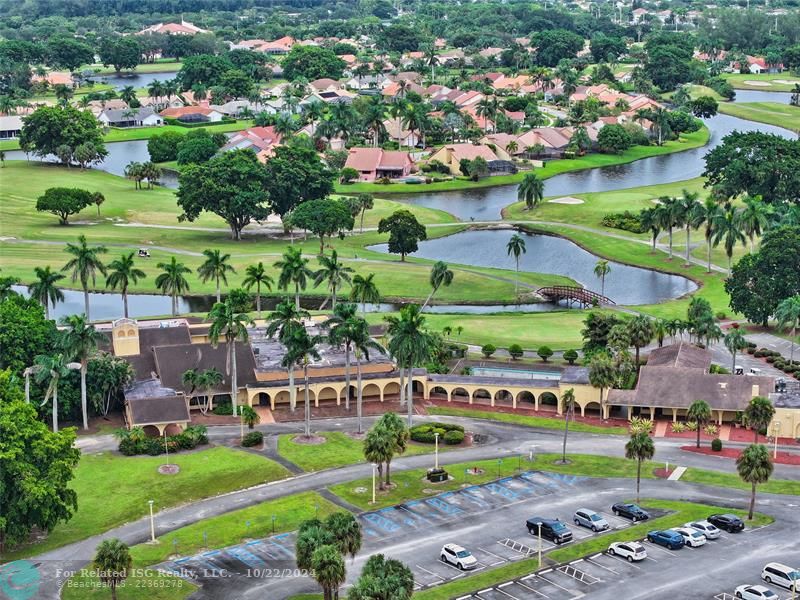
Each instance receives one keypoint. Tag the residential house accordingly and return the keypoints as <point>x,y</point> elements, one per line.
<point>638,15</point>
<point>182,28</point>
<point>492,53</point>
<point>10,127</point>
<point>552,141</point>
<point>450,57</point>
<point>193,114</point>
<point>239,108</point>
<point>54,78</point>
<point>451,155</point>
<point>325,85</point>
<point>376,163</point>
<point>261,140</point>
<point>397,133</point>
<point>277,47</point>
<point>143,116</point>
<point>367,82</point>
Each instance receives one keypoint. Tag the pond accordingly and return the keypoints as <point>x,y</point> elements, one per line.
<point>137,80</point>
<point>624,285</point>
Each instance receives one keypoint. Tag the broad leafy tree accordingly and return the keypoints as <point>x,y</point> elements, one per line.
<point>122,52</point>
<point>312,62</point>
<point>64,202</point>
<point>404,232</point>
<point>49,128</point>
<point>67,52</point>
<point>295,175</point>
<point>324,217</point>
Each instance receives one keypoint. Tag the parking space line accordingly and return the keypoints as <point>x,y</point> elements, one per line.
<point>430,573</point>
<point>502,560</point>
<point>662,549</point>
<point>542,594</point>
<point>505,592</point>
<point>597,564</point>
<point>550,581</point>
<point>455,568</point>
<point>622,560</point>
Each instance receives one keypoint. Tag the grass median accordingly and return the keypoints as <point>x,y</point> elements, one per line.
<point>529,421</point>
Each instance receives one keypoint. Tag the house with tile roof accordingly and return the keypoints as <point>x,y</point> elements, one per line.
<point>377,163</point>
<point>451,155</point>
<point>261,140</point>
<point>193,114</point>
<point>182,28</point>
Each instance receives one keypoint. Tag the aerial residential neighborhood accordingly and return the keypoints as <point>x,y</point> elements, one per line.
<point>489,300</point>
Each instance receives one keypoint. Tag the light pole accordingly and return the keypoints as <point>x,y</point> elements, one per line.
<point>776,430</point>
<point>540,545</point>
<point>274,517</point>
<point>374,468</point>
<point>152,523</point>
<point>241,425</point>
<point>436,450</point>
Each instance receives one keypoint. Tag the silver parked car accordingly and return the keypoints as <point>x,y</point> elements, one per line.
<point>586,517</point>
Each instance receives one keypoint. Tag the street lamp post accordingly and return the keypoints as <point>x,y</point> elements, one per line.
<point>274,517</point>
<point>540,545</point>
<point>776,430</point>
<point>436,450</point>
<point>152,523</point>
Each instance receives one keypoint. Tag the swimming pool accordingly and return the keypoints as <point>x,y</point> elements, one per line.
<point>516,373</point>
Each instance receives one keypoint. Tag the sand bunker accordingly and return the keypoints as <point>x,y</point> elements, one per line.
<point>566,200</point>
<point>788,81</point>
<point>758,83</point>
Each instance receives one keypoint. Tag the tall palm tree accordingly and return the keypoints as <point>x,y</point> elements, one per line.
<point>230,325</point>
<point>301,348</point>
<point>652,220</point>
<point>293,269</point>
<point>112,560</point>
<point>640,333</point>
<point>216,266</point>
<point>531,191</point>
<point>758,414</point>
<point>708,215</point>
<point>754,218</point>
<point>602,374</point>
<point>328,569</point>
<point>734,341</point>
<point>410,344</point>
<point>80,341</point>
<point>601,269</point>
<point>568,407</point>
<point>365,202</point>
<point>364,290</point>
<point>121,274</point>
<point>788,315</point>
<point>173,281</point>
<point>332,271</point>
<point>689,208</point>
<point>729,231</point>
<point>280,322</point>
<point>639,448</point>
<point>256,275</point>
<point>51,369</point>
<point>441,275</point>
<point>84,264</point>
<point>671,215</point>
<point>362,344</point>
<point>754,466</point>
<point>340,334</point>
<point>700,412</point>
<point>45,290</point>
<point>516,248</point>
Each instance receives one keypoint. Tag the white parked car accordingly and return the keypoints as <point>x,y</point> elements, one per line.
<point>691,537</point>
<point>707,529</point>
<point>632,551</point>
<point>458,557</point>
<point>755,592</point>
<point>782,575</point>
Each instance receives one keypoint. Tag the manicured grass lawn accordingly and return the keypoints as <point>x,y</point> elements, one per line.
<point>339,449</point>
<point>739,80</point>
<point>731,480</point>
<point>679,513</point>
<point>159,66</point>
<point>232,528</point>
<point>772,113</point>
<point>590,161</point>
<point>542,422</point>
<point>558,329</point>
<point>113,489</point>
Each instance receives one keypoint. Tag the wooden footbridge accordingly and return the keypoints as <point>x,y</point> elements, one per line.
<point>573,295</point>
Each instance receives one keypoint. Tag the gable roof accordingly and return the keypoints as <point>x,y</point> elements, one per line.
<point>470,152</point>
<point>115,115</point>
<point>182,111</point>
<point>372,159</point>
<point>682,355</point>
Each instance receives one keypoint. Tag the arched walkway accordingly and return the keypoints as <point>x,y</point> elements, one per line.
<point>151,431</point>
<point>262,399</point>
<point>371,391</point>
<point>459,394</point>
<point>548,401</point>
<point>439,391</point>
<point>327,395</point>
<point>503,398</point>
<point>391,389</point>
<point>481,396</point>
<point>526,398</point>
<point>592,409</point>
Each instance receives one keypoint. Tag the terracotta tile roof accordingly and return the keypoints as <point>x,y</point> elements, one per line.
<point>471,152</point>
<point>182,111</point>
<point>372,159</point>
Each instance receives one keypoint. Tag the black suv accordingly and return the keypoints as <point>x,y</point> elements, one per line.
<point>630,511</point>
<point>552,529</point>
<point>730,523</point>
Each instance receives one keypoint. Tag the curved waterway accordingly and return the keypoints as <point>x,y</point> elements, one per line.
<point>624,284</point>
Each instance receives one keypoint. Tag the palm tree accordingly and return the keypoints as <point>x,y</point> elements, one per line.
<point>568,407</point>
<point>172,281</point>
<point>700,412</point>
<point>734,341</point>
<point>601,269</point>
<point>410,344</point>
<point>754,467</point>
<point>362,344</point>
<point>366,202</point>
<point>302,348</point>
<point>377,450</point>
<point>671,215</point>
<point>639,448</point>
<point>689,208</point>
<point>754,218</point>
<point>758,414</point>
<point>340,334</point>
<point>112,560</point>
<point>256,275</point>
<point>294,269</point>
<point>231,325</point>
<point>728,230</point>
<point>602,374</point>
<point>121,274</point>
<point>44,289</point>
<point>80,341</point>
<point>364,290</point>
<point>531,191</point>
<point>640,333</point>
<point>516,247</point>
<point>329,571</point>
<point>332,271</point>
<point>280,322</point>
<point>85,264</point>
<point>708,215</point>
<point>441,275</point>
<point>216,266</point>
<point>652,220</point>
<point>788,315</point>
<point>128,95</point>
<point>51,369</point>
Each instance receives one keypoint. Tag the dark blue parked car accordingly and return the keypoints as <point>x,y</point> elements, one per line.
<point>630,511</point>
<point>667,538</point>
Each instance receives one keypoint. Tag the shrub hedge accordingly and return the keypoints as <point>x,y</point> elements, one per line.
<point>254,438</point>
<point>449,433</point>
<point>134,442</point>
